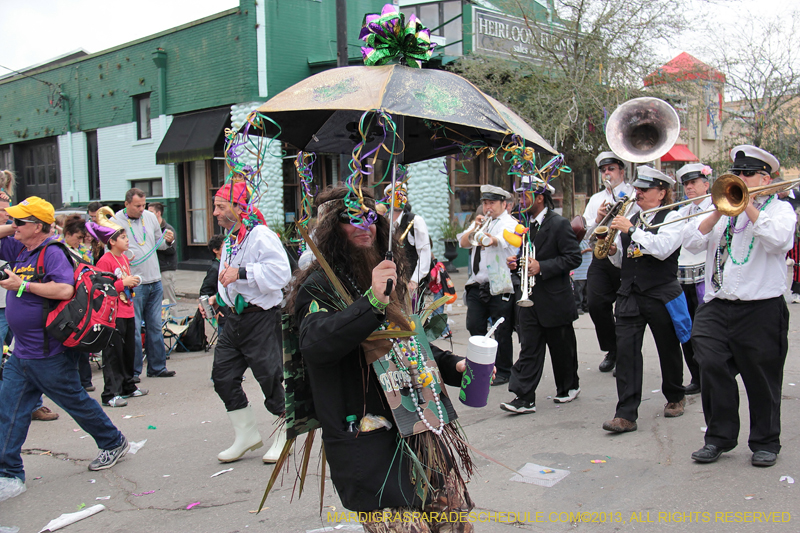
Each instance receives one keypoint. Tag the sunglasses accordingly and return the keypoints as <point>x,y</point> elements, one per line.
<point>370,217</point>
<point>19,222</point>
<point>747,173</point>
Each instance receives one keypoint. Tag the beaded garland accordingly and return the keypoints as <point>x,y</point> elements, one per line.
<point>418,376</point>
<point>133,234</point>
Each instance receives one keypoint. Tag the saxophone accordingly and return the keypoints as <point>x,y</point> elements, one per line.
<point>602,246</point>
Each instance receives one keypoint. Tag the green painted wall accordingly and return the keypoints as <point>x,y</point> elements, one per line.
<point>301,29</point>
<point>210,62</point>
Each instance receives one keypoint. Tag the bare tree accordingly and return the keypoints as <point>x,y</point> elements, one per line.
<point>593,56</point>
<point>761,62</point>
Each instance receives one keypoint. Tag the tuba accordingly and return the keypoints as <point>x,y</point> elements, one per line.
<point>642,129</point>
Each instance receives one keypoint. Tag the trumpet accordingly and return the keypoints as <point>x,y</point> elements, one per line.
<point>480,235</point>
<point>729,194</point>
<point>528,254</point>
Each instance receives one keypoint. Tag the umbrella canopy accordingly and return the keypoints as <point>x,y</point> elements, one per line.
<point>321,113</point>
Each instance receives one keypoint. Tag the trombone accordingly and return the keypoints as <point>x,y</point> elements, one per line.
<point>729,194</point>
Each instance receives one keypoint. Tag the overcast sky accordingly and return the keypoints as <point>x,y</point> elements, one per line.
<point>33,31</point>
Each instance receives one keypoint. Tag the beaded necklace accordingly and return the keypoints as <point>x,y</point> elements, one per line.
<point>417,377</point>
<point>133,234</point>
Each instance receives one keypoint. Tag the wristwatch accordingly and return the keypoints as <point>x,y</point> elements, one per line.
<point>631,230</point>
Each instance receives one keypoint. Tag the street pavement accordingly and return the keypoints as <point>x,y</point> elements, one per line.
<point>647,481</point>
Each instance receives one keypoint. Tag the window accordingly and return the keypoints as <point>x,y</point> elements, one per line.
<point>142,108</point>
<point>152,188</point>
<point>93,165</point>
<point>201,179</point>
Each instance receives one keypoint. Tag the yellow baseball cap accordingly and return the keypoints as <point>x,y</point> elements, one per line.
<point>33,207</point>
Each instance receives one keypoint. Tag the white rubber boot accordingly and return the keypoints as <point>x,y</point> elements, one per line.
<point>247,436</point>
<point>275,450</point>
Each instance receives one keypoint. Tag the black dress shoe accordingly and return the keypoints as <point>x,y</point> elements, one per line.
<point>764,458</point>
<point>609,362</point>
<point>692,388</point>
<point>163,374</point>
<point>709,453</point>
<point>137,379</point>
<point>499,380</point>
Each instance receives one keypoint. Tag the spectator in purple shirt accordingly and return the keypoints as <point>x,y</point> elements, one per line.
<point>40,363</point>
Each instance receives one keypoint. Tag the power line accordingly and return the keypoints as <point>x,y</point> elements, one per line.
<point>28,76</point>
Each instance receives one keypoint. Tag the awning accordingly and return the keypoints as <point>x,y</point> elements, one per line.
<point>193,136</point>
<point>679,152</point>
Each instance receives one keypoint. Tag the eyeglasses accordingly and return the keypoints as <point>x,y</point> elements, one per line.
<point>747,173</point>
<point>19,222</point>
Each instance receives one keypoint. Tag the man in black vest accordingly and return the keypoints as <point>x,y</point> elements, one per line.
<point>649,295</point>
<point>548,322</point>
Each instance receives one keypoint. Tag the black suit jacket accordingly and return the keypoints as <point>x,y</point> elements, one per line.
<point>558,253</point>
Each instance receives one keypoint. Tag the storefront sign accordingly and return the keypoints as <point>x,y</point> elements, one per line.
<point>500,35</point>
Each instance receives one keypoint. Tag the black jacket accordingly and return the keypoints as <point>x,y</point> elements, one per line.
<point>168,259</point>
<point>366,468</point>
<point>558,253</point>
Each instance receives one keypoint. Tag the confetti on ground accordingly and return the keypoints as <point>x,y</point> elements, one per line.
<point>206,422</point>
<point>37,477</point>
<point>144,493</point>
<point>165,475</point>
<point>704,429</point>
<point>92,481</point>
<point>83,437</point>
<point>76,429</point>
<point>657,390</point>
<point>195,504</point>
<point>598,461</point>
<point>151,427</point>
<point>547,471</point>
<point>221,472</point>
<point>788,479</point>
<point>103,498</point>
<point>81,506</point>
<point>749,497</point>
<point>133,416</point>
<point>792,384</point>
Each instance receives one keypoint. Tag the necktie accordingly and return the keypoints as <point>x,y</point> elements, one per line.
<point>476,261</point>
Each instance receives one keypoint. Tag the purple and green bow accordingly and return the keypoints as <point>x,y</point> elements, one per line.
<point>390,38</point>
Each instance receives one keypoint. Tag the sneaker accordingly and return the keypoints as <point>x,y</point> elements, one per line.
<point>108,458</point>
<point>117,401</point>
<point>519,406</point>
<point>44,414</point>
<point>137,393</point>
<point>11,487</point>
<point>137,379</point>
<point>571,395</point>
<point>795,298</point>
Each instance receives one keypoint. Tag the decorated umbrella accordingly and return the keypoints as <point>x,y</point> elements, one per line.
<point>436,112</point>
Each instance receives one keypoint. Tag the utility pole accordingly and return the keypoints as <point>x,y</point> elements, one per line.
<point>341,61</point>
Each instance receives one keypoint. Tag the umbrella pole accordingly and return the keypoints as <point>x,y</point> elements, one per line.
<point>389,256</point>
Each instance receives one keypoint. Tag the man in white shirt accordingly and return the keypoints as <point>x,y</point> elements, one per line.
<point>603,278</point>
<point>649,295</point>
<point>692,267</point>
<point>253,271</point>
<point>742,328</point>
<point>489,290</point>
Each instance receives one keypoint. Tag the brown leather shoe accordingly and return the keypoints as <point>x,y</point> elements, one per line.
<point>44,414</point>
<point>620,425</point>
<point>673,409</point>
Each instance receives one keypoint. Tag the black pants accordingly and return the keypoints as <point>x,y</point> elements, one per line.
<point>630,363</point>
<point>478,313</point>
<point>85,370</point>
<point>534,338</point>
<point>747,338</point>
<point>688,349</point>
<point>603,281</point>
<point>118,358</point>
<point>250,340</point>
